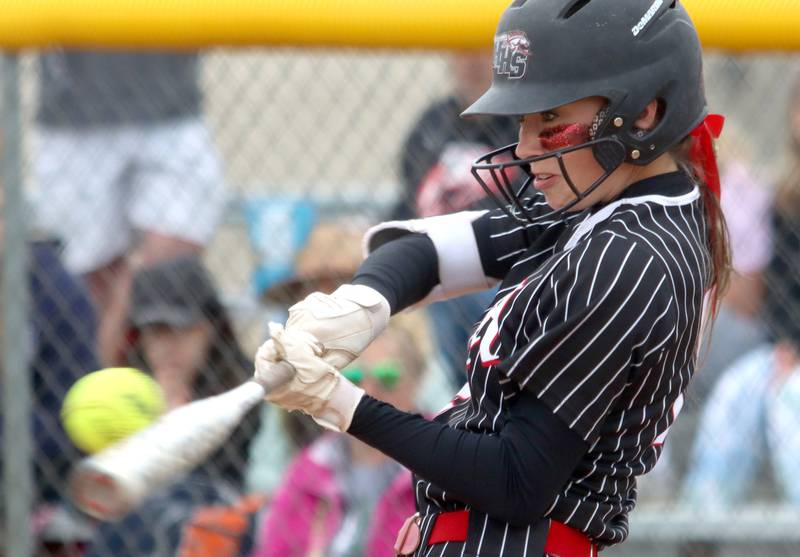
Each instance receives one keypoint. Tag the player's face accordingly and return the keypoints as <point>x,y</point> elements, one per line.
<point>558,129</point>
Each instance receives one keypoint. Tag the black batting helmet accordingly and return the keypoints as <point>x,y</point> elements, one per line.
<point>550,53</point>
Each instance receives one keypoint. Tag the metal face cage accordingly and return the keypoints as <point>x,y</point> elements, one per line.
<point>505,189</point>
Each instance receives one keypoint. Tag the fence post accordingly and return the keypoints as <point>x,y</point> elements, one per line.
<point>17,455</point>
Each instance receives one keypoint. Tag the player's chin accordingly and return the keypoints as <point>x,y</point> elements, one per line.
<point>558,199</point>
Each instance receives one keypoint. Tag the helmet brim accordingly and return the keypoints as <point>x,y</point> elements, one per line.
<point>519,99</point>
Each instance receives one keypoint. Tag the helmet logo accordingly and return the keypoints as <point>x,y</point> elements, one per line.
<point>511,51</point>
<point>648,15</point>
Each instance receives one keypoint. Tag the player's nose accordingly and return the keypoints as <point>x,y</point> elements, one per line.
<point>529,143</point>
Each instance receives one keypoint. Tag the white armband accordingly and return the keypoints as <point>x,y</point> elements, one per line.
<point>460,269</point>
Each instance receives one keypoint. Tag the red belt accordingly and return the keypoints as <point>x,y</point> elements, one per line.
<point>562,541</point>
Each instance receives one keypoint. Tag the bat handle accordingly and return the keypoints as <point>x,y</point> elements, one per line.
<point>282,373</point>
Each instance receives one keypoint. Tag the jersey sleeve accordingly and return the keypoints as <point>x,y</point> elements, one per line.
<point>502,240</point>
<point>605,310</point>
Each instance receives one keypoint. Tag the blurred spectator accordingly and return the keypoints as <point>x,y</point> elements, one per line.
<point>339,496</point>
<point>752,417</point>
<point>435,169</point>
<point>125,167</point>
<point>183,336</point>
<point>60,349</point>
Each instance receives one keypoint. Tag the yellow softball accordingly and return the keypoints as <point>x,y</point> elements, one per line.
<point>105,406</point>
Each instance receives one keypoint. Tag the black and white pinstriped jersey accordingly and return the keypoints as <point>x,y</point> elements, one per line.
<point>599,316</point>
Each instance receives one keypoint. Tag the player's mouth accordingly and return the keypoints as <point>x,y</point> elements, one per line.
<point>543,181</point>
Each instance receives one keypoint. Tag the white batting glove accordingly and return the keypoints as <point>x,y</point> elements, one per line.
<point>344,323</point>
<point>317,388</point>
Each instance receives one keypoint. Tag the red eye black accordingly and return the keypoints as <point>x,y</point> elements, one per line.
<point>563,136</point>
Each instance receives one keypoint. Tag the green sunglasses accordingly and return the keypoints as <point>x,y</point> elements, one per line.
<point>387,373</point>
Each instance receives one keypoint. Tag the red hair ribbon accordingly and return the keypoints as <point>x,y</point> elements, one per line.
<point>702,154</point>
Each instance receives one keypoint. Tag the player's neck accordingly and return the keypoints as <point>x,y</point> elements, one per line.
<point>662,165</point>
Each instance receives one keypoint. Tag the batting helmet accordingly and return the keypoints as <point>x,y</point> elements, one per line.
<point>549,53</point>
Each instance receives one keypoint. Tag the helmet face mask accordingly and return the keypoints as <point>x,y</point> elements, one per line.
<point>500,165</point>
<point>549,53</point>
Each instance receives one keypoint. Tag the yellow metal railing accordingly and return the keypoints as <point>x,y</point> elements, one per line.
<point>452,24</point>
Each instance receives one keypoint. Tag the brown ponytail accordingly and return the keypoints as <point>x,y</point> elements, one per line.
<point>717,231</point>
<point>719,249</point>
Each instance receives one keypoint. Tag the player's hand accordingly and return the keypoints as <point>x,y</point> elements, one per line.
<point>317,388</point>
<point>344,322</point>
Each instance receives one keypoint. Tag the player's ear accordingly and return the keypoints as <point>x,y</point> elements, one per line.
<point>649,116</point>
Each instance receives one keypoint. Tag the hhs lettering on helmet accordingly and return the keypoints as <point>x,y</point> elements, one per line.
<point>511,51</point>
<point>648,15</point>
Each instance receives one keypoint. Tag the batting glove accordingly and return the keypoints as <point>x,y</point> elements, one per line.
<point>317,388</point>
<point>343,323</point>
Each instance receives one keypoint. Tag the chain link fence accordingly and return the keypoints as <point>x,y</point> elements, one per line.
<point>267,165</point>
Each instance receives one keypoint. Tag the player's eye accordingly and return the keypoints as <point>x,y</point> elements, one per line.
<point>549,116</point>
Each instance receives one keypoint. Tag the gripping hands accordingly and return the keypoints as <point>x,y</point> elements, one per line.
<point>317,388</point>
<point>323,334</point>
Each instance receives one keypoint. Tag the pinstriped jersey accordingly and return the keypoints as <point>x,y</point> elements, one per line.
<point>598,315</point>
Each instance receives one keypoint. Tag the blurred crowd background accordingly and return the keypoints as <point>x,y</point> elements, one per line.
<point>174,204</point>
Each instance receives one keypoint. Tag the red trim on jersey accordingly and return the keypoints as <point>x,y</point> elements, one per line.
<point>462,395</point>
<point>562,540</point>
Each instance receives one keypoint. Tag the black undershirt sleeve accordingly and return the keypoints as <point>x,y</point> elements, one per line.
<point>404,270</point>
<point>512,476</point>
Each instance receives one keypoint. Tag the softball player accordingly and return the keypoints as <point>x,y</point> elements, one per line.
<point>607,241</point>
